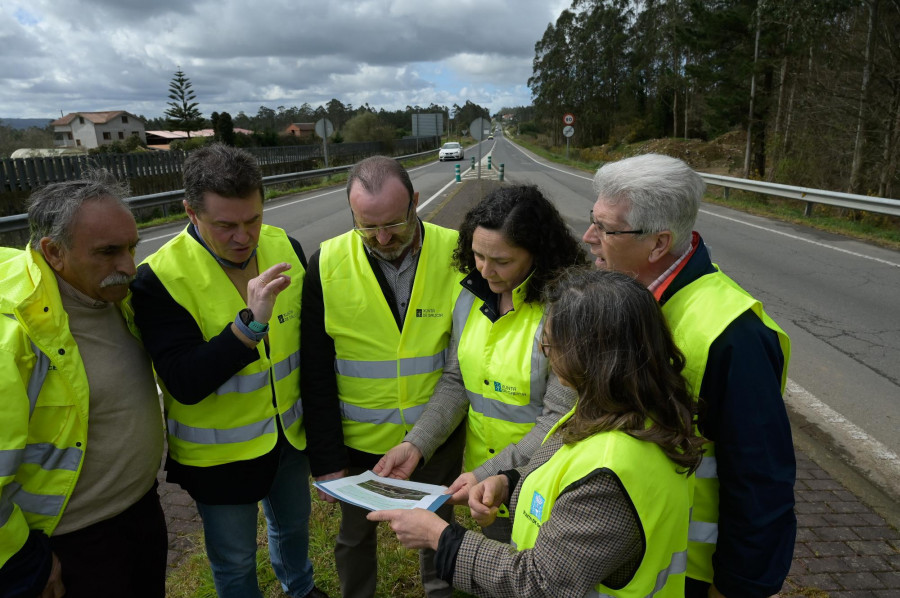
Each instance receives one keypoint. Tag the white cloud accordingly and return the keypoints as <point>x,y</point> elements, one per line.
<point>121,54</point>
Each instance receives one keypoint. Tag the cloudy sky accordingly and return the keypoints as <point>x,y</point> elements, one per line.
<point>87,55</point>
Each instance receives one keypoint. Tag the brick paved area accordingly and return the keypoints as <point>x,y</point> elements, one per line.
<point>843,549</point>
<point>182,520</point>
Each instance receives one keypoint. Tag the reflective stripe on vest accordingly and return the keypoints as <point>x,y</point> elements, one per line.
<point>703,531</point>
<point>47,505</point>
<point>677,566</point>
<point>381,416</point>
<point>218,435</point>
<point>43,454</point>
<point>292,415</point>
<point>379,370</point>
<point>38,374</point>
<point>707,468</point>
<point>514,414</point>
<point>249,383</point>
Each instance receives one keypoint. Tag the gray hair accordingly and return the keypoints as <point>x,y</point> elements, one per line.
<point>52,209</point>
<point>663,192</point>
<point>374,171</point>
<point>221,169</point>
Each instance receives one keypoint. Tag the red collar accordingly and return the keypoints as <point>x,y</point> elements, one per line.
<point>659,290</point>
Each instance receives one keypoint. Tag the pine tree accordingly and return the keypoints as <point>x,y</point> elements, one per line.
<point>183,115</point>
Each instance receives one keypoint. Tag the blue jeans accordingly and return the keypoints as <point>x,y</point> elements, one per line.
<point>230,534</point>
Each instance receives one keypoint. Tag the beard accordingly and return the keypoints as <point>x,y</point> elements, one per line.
<point>389,255</point>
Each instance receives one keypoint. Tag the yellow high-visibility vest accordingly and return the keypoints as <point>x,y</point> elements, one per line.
<point>238,421</point>
<point>697,315</point>
<point>384,376</point>
<point>660,495</point>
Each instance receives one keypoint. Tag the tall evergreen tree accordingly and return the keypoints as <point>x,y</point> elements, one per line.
<point>183,114</point>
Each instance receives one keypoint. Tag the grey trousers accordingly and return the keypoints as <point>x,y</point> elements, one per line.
<point>354,552</point>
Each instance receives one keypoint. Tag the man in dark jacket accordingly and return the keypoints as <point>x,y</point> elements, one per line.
<point>743,525</point>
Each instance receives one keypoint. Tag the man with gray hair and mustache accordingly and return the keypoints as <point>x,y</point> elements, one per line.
<point>81,437</point>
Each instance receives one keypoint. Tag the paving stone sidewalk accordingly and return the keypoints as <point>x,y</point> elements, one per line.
<point>843,549</point>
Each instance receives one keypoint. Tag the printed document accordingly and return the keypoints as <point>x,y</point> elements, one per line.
<point>375,493</point>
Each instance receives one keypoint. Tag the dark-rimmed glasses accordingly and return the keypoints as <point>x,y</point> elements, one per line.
<point>368,232</point>
<point>605,232</point>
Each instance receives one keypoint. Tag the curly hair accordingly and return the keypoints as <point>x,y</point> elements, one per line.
<point>609,340</point>
<point>528,220</point>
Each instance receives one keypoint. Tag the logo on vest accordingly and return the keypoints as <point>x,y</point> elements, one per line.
<point>288,315</point>
<point>507,389</point>
<point>428,313</point>
<point>537,506</point>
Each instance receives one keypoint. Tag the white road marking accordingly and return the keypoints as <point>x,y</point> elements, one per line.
<point>799,238</point>
<point>870,454</point>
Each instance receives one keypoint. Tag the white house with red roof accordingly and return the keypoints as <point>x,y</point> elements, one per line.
<point>93,129</point>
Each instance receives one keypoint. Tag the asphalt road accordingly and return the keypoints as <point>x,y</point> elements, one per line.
<point>838,299</point>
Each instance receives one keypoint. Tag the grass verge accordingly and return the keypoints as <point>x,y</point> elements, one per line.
<point>398,568</point>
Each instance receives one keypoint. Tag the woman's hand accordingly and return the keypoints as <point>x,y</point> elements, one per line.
<point>485,499</point>
<point>460,488</point>
<point>415,528</point>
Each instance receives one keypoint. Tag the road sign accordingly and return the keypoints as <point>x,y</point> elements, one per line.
<point>480,128</point>
<point>324,128</point>
<point>568,118</point>
<point>568,131</point>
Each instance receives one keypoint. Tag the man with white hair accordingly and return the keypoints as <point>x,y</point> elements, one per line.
<point>81,436</point>
<point>743,525</point>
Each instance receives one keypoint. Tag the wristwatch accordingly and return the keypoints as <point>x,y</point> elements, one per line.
<point>250,327</point>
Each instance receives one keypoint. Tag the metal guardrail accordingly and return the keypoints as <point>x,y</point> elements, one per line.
<point>19,222</point>
<point>865,203</point>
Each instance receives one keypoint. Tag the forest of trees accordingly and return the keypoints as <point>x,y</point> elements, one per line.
<point>814,83</point>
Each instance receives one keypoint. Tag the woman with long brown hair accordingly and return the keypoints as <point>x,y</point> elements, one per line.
<point>603,505</point>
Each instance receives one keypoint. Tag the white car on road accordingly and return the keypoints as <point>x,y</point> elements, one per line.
<point>451,151</point>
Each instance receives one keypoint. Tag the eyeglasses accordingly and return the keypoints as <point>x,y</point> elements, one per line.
<point>605,232</point>
<point>545,346</point>
<point>368,232</point>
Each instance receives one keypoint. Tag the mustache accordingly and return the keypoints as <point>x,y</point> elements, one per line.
<point>115,279</point>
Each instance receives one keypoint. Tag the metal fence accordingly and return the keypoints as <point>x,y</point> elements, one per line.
<point>15,227</point>
<point>27,174</point>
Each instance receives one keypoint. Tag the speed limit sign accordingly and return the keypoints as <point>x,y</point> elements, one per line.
<point>568,118</point>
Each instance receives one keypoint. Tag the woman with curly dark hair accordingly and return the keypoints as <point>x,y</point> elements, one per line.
<point>602,508</point>
<point>510,245</point>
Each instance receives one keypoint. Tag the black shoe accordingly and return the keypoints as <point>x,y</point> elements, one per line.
<point>316,593</point>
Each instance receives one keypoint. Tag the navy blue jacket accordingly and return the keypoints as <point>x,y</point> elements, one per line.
<point>743,412</point>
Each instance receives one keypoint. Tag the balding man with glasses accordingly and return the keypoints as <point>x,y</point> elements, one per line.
<point>375,327</point>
